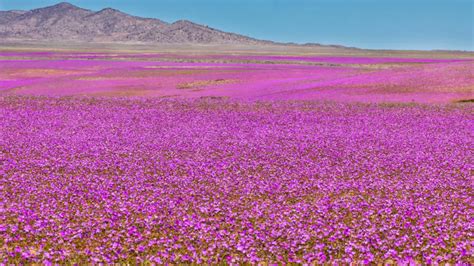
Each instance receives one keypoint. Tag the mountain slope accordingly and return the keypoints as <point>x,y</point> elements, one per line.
<point>6,16</point>
<point>67,22</point>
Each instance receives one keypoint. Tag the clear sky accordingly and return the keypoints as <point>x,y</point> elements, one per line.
<point>383,24</point>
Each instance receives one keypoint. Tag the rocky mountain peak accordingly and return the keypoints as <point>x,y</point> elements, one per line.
<point>67,22</point>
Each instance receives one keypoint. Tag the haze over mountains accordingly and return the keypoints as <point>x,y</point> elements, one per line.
<point>66,22</point>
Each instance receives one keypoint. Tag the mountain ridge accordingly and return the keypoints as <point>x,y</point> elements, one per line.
<point>67,22</point>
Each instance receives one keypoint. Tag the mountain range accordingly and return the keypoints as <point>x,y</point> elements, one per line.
<point>66,22</point>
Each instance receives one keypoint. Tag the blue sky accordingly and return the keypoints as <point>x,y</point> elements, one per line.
<point>382,24</point>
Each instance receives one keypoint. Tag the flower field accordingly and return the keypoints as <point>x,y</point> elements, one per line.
<point>245,77</point>
<point>210,180</point>
<point>192,158</point>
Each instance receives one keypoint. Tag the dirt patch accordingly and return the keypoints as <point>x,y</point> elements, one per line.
<point>203,83</point>
<point>466,101</point>
<point>33,73</point>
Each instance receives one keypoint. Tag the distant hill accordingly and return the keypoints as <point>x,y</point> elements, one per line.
<point>66,22</point>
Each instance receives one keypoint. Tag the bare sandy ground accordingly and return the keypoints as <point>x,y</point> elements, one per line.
<point>226,49</point>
